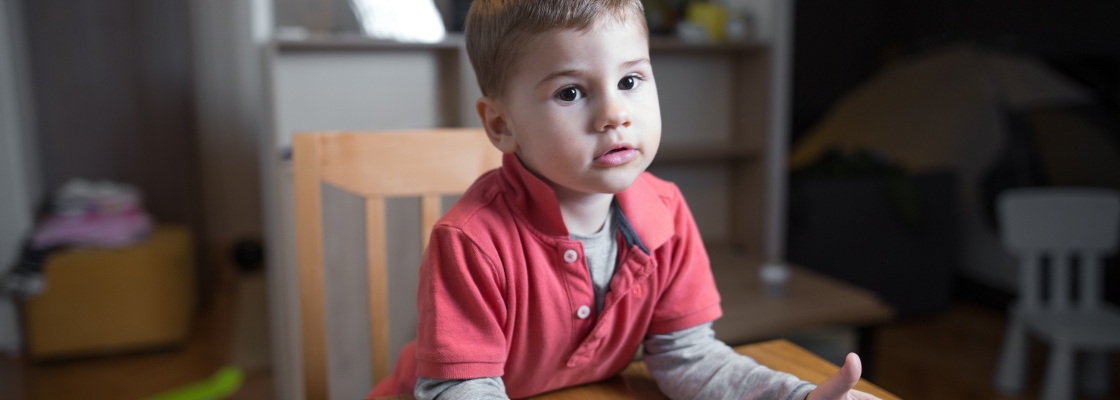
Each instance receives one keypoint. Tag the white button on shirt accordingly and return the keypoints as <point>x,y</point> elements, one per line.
<point>583,312</point>
<point>570,256</point>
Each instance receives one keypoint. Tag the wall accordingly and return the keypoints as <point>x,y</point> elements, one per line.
<point>1041,26</point>
<point>19,186</point>
<point>113,91</point>
<point>229,40</point>
<point>230,114</point>
<point>840,44</point>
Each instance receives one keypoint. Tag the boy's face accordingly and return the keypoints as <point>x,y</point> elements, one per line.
<point>581,110</point>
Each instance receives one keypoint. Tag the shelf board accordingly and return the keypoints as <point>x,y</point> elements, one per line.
<point>674,153</point>
<point>358,41</point>
<point>670,43</point>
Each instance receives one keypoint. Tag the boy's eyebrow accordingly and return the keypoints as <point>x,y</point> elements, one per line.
<point>577,73</point>
<point>557,74</point>
<point>629,64</point>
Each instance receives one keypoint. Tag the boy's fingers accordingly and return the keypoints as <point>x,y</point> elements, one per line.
<point>836,387</point>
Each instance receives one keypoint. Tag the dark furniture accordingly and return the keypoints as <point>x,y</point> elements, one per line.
<point>851,229</point>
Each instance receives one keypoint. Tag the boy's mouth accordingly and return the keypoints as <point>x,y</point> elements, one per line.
<point>616,154</point>
<point>617,147</point>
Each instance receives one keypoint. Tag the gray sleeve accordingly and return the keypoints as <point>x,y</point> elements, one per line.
<point>449,389</point>
<point>693,364</point>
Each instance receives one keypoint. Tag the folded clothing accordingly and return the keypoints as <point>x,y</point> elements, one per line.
<point>98,214</point>
<point>114,230</point>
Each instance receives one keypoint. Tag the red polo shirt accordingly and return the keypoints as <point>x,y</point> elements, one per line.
<point>505,292</point>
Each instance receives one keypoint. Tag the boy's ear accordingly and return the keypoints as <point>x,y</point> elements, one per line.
<point>493,118</point>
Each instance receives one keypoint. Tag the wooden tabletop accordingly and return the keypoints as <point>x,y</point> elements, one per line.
<point>635,382</point>
<point>811,300</point>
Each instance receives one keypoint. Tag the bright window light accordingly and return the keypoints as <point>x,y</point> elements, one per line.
<point>400,20</point>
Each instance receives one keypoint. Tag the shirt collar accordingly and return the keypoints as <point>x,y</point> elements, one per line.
<point>641,205</point>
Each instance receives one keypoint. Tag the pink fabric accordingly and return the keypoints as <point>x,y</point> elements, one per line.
<point>497,298</point>
<point>112,230</point>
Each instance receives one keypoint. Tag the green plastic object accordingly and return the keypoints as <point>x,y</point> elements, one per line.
<point>221,385</point>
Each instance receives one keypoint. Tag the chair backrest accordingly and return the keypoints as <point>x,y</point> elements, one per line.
<point>1060,223</point>
<point>374,165</point>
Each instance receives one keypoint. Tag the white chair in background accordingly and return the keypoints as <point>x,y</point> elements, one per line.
<point>1061,225</point>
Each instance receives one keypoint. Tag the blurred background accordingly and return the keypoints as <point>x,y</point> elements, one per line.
<point>146,214</point>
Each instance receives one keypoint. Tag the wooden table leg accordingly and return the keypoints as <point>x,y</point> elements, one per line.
<point>866,350</point>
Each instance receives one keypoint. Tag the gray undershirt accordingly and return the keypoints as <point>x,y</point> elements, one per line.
<point>601,251</point>
<point>687,364</point>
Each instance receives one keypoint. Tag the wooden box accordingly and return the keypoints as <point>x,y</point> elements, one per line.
<point>109,301</point>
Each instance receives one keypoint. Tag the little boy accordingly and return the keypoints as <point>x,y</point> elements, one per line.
<point>550,271</point>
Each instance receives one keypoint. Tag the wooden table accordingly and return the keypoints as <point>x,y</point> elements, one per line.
<point>635,382</point>
<point>811,300</point>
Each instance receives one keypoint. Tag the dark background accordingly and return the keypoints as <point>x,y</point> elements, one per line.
<point>838,44</point>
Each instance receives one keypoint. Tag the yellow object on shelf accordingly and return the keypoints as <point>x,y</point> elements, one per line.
<point>105,301</point>
<point>709,15</point>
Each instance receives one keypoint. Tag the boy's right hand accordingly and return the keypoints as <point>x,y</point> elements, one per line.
<point>839,386</point>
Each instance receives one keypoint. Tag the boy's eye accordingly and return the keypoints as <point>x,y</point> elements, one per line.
<point>570,93</point>
<point>627,83</point>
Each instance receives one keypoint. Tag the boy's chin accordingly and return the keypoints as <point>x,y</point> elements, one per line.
<point>614,183</point>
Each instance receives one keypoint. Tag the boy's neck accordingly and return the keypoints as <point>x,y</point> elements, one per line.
<point>584,213</point>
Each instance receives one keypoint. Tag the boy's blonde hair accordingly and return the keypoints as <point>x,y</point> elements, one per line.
<point>498,30</point>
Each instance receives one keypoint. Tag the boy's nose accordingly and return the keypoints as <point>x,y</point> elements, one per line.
<point>613,114</point>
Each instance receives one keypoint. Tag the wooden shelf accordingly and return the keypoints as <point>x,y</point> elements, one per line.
<point>358,41</point>
<point>673,153</point>
<point>670,43</point>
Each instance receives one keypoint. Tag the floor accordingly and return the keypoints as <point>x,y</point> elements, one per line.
<point>950,355</point>
<point>140,375</point>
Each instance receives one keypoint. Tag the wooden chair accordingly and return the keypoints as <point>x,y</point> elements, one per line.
<point>1060,223</point>
<point>374,165</point>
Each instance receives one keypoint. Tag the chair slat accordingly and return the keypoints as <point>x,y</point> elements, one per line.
<point>1059,280</point>
<point>1029,280</point>
<point>309,256</point>
<point>377,272</point>
<point>1069,218</point>
<point>439,161</point>
<point>430,213</point>
<point>1090,286</point>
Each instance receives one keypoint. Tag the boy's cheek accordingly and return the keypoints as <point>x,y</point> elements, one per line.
<point>650,102</point>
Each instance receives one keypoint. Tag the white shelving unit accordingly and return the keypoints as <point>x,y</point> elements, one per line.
<point>714,133</point>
